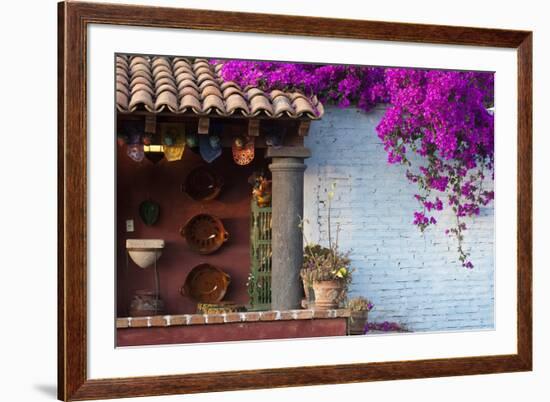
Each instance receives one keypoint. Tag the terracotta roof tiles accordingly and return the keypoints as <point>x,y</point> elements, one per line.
<point>181,85</point>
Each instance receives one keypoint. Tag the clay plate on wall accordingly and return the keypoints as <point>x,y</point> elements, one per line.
<point>204,233</point>
<point>206,284</point>
<point>203,184</point>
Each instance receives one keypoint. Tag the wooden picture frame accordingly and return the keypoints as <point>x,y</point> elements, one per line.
<point>73,382</point>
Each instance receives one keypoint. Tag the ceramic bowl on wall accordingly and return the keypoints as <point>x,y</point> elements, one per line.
<point>203,184</point>
<point>204,233</point>
<point>206,284</point>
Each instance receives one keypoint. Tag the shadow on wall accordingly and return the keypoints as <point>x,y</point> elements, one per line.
<point>162,183</point>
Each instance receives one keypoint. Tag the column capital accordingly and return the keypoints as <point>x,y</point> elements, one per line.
<point>288,152</point>
<point>287,165</point>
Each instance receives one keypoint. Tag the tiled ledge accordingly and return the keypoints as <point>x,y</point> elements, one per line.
<point>249,316</point>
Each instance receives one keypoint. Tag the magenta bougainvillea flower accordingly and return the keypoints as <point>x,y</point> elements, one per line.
<point>385,326</point>
<point>441,116</point>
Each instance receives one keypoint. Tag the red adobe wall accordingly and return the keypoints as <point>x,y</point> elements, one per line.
<point>162,182</point>
<point>237,331</point>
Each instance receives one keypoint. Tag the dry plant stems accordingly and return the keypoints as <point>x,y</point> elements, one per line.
<point>326,263</point>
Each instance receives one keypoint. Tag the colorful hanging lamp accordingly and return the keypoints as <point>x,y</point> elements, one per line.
<point>173,139</point>
<point>243,150</point>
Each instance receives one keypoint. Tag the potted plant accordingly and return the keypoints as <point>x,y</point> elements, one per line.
<point>326,271</point>
<point>359,311</point>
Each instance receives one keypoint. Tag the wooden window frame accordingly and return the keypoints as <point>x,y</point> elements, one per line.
<point>74,17</point>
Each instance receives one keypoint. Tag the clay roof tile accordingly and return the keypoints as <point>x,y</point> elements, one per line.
<point>303,106</point>
<point>182,69</point>
<point>203,69</point>
<point>184,75</point>
<point>162,71</point>
<point>188,90</point>
<point>141,74</point>
<point>230,90</point>
<point>252,92</point>
<point>200,63</point>
<point>281,104</point>
<point>160,61</point>
<point>138,60</point>
<point>277,92</point>
<point>166,99</point>
<point>190,103</point>
<point>140,80</point>
<point>121,72</point>
<point>207,83</point>
<point>121,101</point>
<point>141,87</point>
<point>187,83</point>
<point>259,103</point>
<point>212,90</point>
<point>141,98</point>
<point>166,87</point>
<point>122,88</point>
<point>213,103</point>
<point>236,103</point>
<point>205,76</point>
<point>122,59</point>
<point>227,84</point>
<point>184,85</point>
<point>164,79</point>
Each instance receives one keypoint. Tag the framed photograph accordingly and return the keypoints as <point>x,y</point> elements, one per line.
<point>253,200</point>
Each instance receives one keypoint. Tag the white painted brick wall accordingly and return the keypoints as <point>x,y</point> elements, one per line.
<point>412,278</point>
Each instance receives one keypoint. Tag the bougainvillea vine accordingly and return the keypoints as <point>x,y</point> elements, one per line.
<point>440,118</point>
<point>385,326</point>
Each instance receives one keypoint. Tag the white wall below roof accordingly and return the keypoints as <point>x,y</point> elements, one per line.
<point>412,278</point>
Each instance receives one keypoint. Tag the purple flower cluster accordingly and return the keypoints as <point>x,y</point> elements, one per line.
<point>443,117</point>
<point>385,326</point>
<point>439,115</point>
<point>339,84</point>
<point>422,220</point>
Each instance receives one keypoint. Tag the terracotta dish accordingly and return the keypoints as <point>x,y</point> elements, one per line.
<point>206,284</point>
<point>203,184</point>
<point>204,233</point>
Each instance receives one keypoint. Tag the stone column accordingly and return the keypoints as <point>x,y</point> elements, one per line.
<point>287,170</point>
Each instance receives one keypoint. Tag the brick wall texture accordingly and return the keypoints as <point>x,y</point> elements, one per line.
<point>413,278</point>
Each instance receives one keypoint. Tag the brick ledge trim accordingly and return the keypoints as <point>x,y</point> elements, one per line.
<point>227,318</point>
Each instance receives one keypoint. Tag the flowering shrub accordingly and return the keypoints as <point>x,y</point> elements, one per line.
<point>325,264</point>
<point>340,84</point>
<point>360,304</point>
<point>385,327</point>
<point>441,116</point>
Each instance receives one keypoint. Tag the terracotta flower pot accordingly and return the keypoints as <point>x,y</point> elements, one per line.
<point>357,322</point>
<point>309,296</point>
<point>327,294</point>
